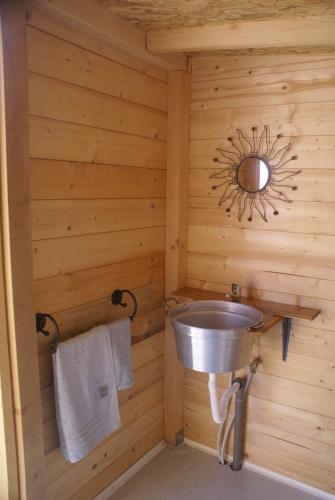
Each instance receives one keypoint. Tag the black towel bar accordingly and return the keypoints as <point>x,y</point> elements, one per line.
<point>116,298</point>
<point>41,320</point>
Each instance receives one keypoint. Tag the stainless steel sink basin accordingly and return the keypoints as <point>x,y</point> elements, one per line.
<point>214,336</point>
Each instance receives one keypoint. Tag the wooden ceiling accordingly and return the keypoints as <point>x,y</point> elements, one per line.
<point>166,14</point>
<point>163,32</point>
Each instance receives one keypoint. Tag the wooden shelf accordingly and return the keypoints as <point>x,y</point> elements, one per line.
<point>273,308</point>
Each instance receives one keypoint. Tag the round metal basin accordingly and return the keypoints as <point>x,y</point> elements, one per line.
<point>214,336</point>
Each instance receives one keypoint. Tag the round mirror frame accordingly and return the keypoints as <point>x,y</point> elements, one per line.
<point>276,159</point>
<point>261,159</point>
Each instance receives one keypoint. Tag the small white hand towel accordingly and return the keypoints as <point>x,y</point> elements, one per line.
<point>121,346</point>
<point>85,392</point>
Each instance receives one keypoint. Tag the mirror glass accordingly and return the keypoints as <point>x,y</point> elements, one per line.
<point>253,174</point>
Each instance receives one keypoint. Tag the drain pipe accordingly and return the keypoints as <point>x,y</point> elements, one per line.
<point>238,426</point>
<point>220,410</point>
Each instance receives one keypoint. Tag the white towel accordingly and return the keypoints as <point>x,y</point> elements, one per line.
<point>85,392</point>
<point>121,346</point>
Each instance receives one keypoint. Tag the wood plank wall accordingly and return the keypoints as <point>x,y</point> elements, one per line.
<point>98,163</point>
<point>291,408</point>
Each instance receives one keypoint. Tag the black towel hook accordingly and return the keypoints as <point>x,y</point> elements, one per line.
<point>116,298</point>
<point>41,320</point>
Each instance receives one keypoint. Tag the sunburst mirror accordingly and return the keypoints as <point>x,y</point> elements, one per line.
<point>254,173</point>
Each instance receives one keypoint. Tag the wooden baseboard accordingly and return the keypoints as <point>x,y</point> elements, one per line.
<point>129,473</point>
<point>266,472</point>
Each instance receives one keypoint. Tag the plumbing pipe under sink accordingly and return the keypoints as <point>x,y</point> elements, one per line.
<point>220,408</point>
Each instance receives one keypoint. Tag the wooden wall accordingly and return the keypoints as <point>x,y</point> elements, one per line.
<point>291,408</point>
<point>98,160</point>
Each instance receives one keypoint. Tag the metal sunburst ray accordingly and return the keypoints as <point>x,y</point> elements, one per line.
<point>290,173</point>
<point>260,144</point>
<point>241,209</point>
<point>281,163</point>
<point>237,193</point>
<point>274,146</point>
<point>216,186</point>
<point>282,196</point>
<point>244,141</point>
<point>284,149</point>
<point>261,211</point>
<point>251,208</point>
<point>221,174</point>
<point>231,140</point>
<point>224,153</point>
<point>264,197</point>
<point>227,194</point>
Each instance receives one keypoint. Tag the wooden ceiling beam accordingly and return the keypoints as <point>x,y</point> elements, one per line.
<point>274,33</point>
<point>104,25</point>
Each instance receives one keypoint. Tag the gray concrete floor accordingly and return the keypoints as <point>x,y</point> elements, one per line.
<point>187,474</point>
